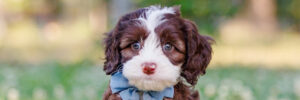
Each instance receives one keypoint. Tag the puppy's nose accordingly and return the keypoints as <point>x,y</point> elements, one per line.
<point>149,68</point>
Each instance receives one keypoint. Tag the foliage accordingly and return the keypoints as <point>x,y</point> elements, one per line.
<point>288,12</point>
<point>206,13</point>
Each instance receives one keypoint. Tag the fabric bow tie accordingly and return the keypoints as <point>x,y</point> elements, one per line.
<point>119,84</point>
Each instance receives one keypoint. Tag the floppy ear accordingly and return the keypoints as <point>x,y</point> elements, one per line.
<point>112,52</point>
<point>198,53</point>
<point>112,42</point>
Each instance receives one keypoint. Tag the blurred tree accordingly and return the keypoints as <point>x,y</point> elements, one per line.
<point>208,14</point>
<point>39,30</point>
<point>45,11</point>
<point>263,15</point>
<point>289,14</point>
<point>118,8</point>
<point>2,21</point>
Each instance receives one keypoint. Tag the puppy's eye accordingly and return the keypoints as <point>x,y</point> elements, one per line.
<point>167,47</point>
<point>136,46</point>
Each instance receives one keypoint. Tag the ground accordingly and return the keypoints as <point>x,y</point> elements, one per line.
<point>85,81</point>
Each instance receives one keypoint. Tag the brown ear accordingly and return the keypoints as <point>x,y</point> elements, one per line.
<point>112,42</point>
<point>198,53</point>
<point>112,52</point>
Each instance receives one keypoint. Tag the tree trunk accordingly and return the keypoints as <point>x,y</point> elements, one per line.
<point>263,14</point>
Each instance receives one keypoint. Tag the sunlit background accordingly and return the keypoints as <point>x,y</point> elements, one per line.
<point>53,49</point>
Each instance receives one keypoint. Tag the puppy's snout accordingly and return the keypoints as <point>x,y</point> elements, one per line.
<point>149,68</point>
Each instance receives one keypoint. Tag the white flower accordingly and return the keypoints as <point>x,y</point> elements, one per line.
<point>284,99</point>
<point>59,92</point>
<point>272,97</point>
<point>90,93</point>
<point>39,94</point>
<point>223,92</point>
<point>13,94</point>
<point>246,94</point>
<point>297,87</point>
<point>77,93</point>
<point>210,90</point>
<point>231,87</point>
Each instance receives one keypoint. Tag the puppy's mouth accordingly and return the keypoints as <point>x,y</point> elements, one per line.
<point>150,84</point>
<point>149,77</point>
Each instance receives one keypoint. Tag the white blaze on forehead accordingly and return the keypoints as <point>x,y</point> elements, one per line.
<point>154,16</point>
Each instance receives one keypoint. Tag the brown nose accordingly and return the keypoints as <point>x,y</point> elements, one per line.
<point>149,68</point>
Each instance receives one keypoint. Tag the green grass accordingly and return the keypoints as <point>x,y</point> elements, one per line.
<point>236,83</point>
<point>85,81</point>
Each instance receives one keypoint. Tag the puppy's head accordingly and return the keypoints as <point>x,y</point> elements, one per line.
<point>156,47</point>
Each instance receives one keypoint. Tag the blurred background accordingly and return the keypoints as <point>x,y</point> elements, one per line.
<point>53,50</point>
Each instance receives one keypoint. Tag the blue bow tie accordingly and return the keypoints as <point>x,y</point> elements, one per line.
<point>119,84</point>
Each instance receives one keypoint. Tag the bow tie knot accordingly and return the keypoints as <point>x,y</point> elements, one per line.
<point>119,84</point>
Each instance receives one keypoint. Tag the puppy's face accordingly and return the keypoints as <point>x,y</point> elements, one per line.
<point>156,46</point>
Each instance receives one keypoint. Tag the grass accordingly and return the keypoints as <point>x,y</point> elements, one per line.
<point>85,81</point>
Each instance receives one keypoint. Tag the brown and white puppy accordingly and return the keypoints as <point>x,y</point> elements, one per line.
<point>158,49</point>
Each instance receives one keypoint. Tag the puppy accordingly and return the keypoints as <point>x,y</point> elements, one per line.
<point>154,50</point>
